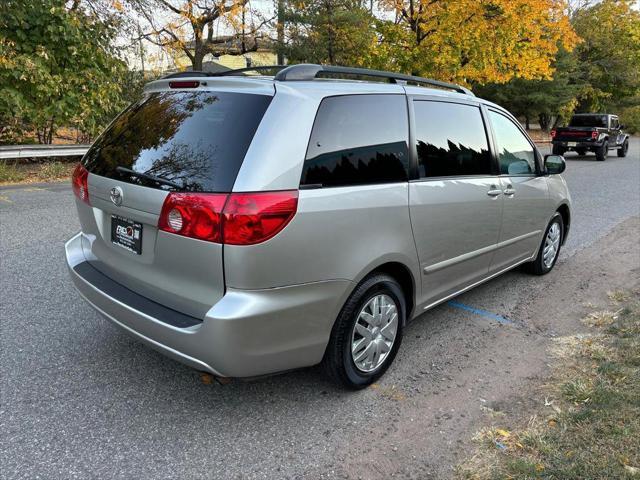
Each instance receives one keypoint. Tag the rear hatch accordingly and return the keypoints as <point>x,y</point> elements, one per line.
<point>581,127</point>
<point>185,140</point>
<point>573,134</point>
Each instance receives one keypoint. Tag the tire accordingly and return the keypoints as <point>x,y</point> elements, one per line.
<point>602,152</point>
<point>557,150</point>
<point>622,151</point>
<point>582,152</point>
<point>338,362</point>
<point>540,266</point>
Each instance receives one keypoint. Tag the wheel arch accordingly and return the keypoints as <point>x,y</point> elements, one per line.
<point>401,271</point>
<point>403,276</point>
<point>565,213</point>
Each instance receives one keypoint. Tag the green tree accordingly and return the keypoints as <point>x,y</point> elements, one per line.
<point>544,100</point>
<point>339,32</point>
<point>58,67</point>
<point>609,55</point>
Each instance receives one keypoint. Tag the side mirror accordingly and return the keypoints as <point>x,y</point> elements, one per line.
<point>554,164</point>
<point>622,126</point>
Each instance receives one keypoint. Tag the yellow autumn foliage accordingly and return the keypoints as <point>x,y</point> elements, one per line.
<point>478,41</point>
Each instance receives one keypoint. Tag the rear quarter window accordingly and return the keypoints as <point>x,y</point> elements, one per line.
<point>358,140</point>
<point>197,140</point>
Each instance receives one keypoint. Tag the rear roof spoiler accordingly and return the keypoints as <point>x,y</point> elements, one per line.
<point>197,73</point>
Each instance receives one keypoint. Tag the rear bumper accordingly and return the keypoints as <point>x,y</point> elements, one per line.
<point>578,144</point>
<point>247,333</point>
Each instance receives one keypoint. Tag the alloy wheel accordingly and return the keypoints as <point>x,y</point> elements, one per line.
<point>374,333</point>
<point>551,245</point>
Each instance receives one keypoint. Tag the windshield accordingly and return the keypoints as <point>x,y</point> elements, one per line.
<point>589,121</point>
<point>197,140</point>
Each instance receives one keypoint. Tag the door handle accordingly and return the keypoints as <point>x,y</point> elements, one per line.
<point>494,191</point>
<point>509,190</point>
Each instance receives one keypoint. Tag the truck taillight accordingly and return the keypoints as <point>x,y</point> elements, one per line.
<point>594,134</point>
<point>552,133</point>
<point>234,219</point>
<point>79,183</point>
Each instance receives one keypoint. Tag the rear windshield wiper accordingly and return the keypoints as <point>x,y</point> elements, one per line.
<point>148,176</point>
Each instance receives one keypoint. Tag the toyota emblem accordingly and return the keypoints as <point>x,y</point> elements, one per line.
<point>116,196</point>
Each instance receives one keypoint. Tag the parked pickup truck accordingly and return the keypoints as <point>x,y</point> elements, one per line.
<point>595,132</point>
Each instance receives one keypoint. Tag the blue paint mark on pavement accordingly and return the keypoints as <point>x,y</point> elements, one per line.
<point>498,318</point>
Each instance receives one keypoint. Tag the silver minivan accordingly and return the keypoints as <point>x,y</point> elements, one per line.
<point>247,224</point>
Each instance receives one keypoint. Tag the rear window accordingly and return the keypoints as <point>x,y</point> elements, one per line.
<point>589,121</point>
<point>196,140</point>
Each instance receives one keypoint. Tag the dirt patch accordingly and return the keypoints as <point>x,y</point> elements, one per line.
<point>493,372</point>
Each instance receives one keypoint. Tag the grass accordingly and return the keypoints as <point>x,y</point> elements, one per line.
<point>590,425</point>
<point>10,173</point>
<point>35,172</point>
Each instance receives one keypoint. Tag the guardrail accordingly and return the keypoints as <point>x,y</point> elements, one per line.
<point>33,151</point>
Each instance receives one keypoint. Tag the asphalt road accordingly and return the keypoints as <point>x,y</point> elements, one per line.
<point>81,399</point>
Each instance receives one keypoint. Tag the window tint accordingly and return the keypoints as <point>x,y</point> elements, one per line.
<point>588,121</point>
<point>451,140</point>
<point>195,139</point>
<point>515,154</point>
<point>358,139</point>
<point>615,123</point>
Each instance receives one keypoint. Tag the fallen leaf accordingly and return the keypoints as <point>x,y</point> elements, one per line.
<point>223,380</point>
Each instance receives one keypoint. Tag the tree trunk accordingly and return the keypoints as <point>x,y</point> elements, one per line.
<point>243,45</point>
<point>544,121</point>
<point>51,129</point>
<point>330,38</point>
<point>199,50</point>
<point>196,63</point>
<point>280,32</point>
<point>526,122</point>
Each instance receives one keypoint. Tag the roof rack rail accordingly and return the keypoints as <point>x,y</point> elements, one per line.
<point>308,71</point>
<point>198,73</point>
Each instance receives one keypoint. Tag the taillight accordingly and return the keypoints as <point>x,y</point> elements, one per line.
<point>251,218</point>
<point>594,134</point>
<point>195,215</point>
<point>552,133</point>
<point>79,183</point>
<point>234,219</point>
